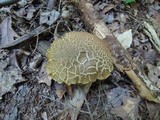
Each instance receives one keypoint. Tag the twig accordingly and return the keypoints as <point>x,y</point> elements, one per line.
<point>27,38</point>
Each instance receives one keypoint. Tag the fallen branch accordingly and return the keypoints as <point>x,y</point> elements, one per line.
<point>26,38</point>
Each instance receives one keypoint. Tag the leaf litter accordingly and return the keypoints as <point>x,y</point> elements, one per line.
<point>8,35</point>
<point>23,78</point>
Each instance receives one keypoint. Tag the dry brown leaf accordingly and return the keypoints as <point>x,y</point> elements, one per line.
<point>115,96</point>
<point>102,5</point>
<point>125,38</point>
<point>60,90</point>
<point>30,12</point>
<point>129,109</point>
<point>8,78</point>
<point>153,110</point>
<point>114,26</point>
<point>44,116</point>
<point>7,34</point>
<point>49,17</point>
<point>154,74</point>
<point>109,18</point>
<point>22,3</point>
<point>108,8</point>
<point>43,76</point>
<point>51,4</point>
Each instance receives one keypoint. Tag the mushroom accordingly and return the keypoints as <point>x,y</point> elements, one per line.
<point>78,58</point>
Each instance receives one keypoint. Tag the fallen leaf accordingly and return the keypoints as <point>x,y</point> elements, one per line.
<point>22,3</point>
<point>44,116</point>
<point>4,61</point>
<point>154,74</point>
<point>8,78</point>
<point>65,14</point>
<point>51,4</point>
<point>153,110</point>
<point>115,96</point>
<point>129,109</point>
<point>102,5</point>
<point>125,38</point>
<point>75,103</point>
<point>43,76</point>
<point>30,12</point>
<point>8,35</point>
<point>108,8</point>
<point>109,18</point>
<point>49,17</point>
<point>114,26</point>
<point>21,12</point>
<point>60,90</point>
<point>12,114</point>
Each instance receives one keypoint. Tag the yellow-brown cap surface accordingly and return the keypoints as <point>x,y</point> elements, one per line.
<point>78,57</point>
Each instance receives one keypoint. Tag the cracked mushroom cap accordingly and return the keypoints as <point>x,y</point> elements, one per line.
<point>78,57</point>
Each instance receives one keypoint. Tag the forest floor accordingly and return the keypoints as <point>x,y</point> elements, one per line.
<point>27,29</point>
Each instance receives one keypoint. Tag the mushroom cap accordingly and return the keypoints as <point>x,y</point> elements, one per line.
<point>78,57</point>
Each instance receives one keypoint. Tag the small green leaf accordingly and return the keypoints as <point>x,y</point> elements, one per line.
<point>129,1</point>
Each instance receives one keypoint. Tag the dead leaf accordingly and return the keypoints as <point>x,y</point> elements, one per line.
<point>125,38</point>
<point>12,114</point>
<point>114,26</point>
<point>109,18</point>
<point>22,3</point>
<point>108,8</point>
<point>151,56</point>
<point>65,14</point>
<point>3,60</point>
<point>102,5</point>
<point>60,90</point>
<point>5,9</point>
<point>30,12</point>
<point>129,109</point>
<point>154,74</point>
<point>153,110</point>
<point>8,35</point>
<point>8,78</point>
<point>115,96</point>
<point>43,76</point>
<point>44,116</point>
<point>49,17</point>
<point>51,4</point>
